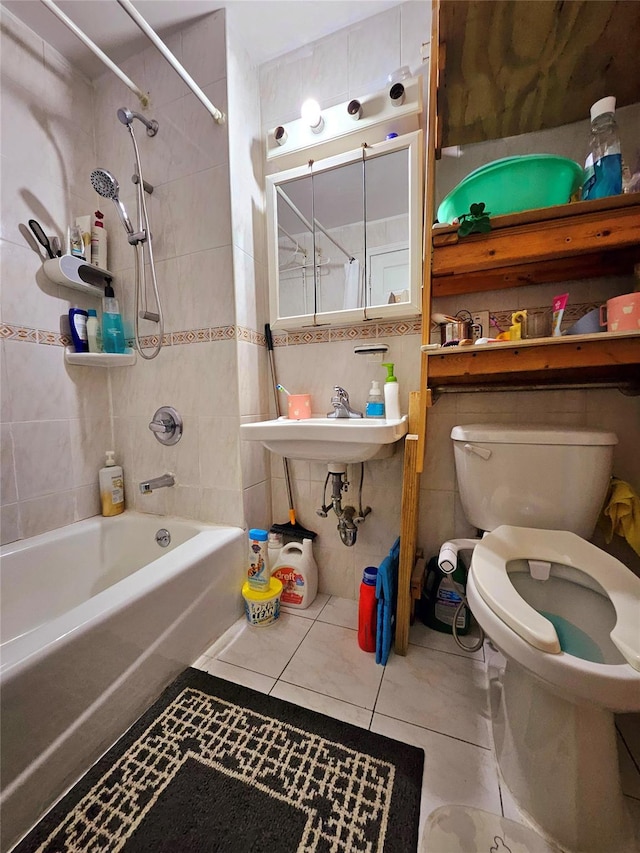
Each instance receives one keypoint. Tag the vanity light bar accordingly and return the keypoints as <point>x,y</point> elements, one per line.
<point>380,114</point>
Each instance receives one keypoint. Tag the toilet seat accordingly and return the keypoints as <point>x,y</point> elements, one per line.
<point>506,543</point>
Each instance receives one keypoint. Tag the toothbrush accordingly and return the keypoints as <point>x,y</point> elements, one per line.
<point>283,389</point>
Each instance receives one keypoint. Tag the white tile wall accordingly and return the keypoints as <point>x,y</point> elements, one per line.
<point>55,419</point>
<point>210,263</point>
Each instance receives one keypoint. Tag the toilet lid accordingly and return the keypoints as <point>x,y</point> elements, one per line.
<point>506,543</point>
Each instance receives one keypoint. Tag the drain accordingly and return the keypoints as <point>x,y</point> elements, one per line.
<point>163,537</point>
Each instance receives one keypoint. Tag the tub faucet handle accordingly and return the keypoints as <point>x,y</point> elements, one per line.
<point>167,425</point>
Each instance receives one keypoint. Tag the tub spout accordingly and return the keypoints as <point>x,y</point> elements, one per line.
<point>148,486</point>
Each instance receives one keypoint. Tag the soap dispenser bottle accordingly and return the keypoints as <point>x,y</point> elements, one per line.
<point>375,402</point>
<point>391,395</point>
<point>111,481</point>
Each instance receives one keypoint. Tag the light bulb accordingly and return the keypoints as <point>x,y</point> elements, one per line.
<point>311,115</point>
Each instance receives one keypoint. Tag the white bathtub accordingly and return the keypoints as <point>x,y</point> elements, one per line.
<point>96,620</point>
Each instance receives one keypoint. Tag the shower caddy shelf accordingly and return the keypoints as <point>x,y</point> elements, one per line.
<point>73,272</point>
<point>100,359</point>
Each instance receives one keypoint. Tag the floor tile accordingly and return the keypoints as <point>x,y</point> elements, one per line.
<point>239,675</point>
<point>200,663</point>
<point>329,661</point>
<point>312,611</point>
<point>229,635</point>
<point>266,649</point>
<point>454,771</point>
<point>629,776</point>
<point>629,727</point>
<point>441,692</point>
<point>340,611</point>
<point>323,704</point>
<point>634,812</point>
<point>510,808</point>
<point>428,638</point>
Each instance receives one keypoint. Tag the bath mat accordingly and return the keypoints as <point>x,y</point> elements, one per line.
<point>461,829</point>
<point>213,766</point>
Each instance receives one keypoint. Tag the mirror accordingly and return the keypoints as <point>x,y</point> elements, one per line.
<point>345,239</point>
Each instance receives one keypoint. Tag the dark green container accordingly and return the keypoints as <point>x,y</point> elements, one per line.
<point>441,597</point>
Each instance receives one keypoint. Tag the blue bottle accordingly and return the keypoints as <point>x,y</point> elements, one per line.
<point>78,325</point>
<point>112,330</point>
<point>603,169</point>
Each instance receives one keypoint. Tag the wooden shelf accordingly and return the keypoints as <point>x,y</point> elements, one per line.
<point>571,241</point>
<point>609,358</point>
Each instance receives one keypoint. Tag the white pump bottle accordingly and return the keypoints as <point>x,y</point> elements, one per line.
<point>391,395</point>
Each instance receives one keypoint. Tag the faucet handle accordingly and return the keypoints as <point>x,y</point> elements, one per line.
<point>166,425</point>
<point>341,393</point>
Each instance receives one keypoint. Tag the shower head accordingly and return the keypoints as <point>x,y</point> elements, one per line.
<point>106,185</point>
<point>127,116</point>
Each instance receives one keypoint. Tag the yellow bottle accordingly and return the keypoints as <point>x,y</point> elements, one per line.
<point>111,481</point>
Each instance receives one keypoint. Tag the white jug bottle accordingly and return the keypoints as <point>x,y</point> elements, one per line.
<point>297,571</point>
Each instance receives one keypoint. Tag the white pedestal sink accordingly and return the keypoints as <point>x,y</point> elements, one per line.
<point>328,439</point>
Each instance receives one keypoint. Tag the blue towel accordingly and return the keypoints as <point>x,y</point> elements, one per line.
<point>386,593</point>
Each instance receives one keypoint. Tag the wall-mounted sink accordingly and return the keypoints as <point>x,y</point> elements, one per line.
<point>328,439</point>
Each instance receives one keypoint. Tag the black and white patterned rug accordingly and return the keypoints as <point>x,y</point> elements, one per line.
<point>213,766</point>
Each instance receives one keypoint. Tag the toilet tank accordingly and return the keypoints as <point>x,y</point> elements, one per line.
<point>551,478</point>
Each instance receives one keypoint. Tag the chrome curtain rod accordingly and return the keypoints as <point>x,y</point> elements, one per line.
<point>102,56</point>
<point>157,41</point>
<point>306,222</point>
<point>137,18</point>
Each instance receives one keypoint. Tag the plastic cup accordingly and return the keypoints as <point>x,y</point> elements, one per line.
<point>298,406</point>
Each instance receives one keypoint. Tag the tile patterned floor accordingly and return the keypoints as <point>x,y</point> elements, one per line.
<point>435,697</point>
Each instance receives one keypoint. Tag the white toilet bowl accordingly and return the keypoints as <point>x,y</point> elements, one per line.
<point>567,671</point>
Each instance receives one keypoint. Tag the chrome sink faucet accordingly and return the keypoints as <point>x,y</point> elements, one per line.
<point>341,406</point>
<point>157,483</point>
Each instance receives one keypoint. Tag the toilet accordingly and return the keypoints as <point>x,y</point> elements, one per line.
<point>565,617</point>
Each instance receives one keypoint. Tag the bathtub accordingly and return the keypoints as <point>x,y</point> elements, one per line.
<point>97,618</point>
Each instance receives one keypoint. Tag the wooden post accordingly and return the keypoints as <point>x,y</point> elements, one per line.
<point>408,542</point>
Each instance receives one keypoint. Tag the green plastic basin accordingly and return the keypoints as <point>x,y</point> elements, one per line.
<point>514,184</point>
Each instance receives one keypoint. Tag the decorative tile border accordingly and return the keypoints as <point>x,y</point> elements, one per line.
<point>297,337</point>
<point>9,332</point>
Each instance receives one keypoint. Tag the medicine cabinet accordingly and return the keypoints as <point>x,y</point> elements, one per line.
<point>345,237</point>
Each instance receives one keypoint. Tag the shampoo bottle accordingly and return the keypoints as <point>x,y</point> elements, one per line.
<point>94,335</point>
<point>112,330</point>
<point>391,395</point>
<point>78,325</point>
<point>98,241</point>
<point>375,402</point>
<point>111,482</point>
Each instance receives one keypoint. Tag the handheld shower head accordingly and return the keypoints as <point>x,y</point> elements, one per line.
<point>106,185</point>
<point>126,116</point>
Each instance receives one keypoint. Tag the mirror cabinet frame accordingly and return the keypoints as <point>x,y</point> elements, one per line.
<point>413,144</point>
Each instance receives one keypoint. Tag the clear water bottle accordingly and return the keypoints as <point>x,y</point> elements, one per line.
<point>603,169</point>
